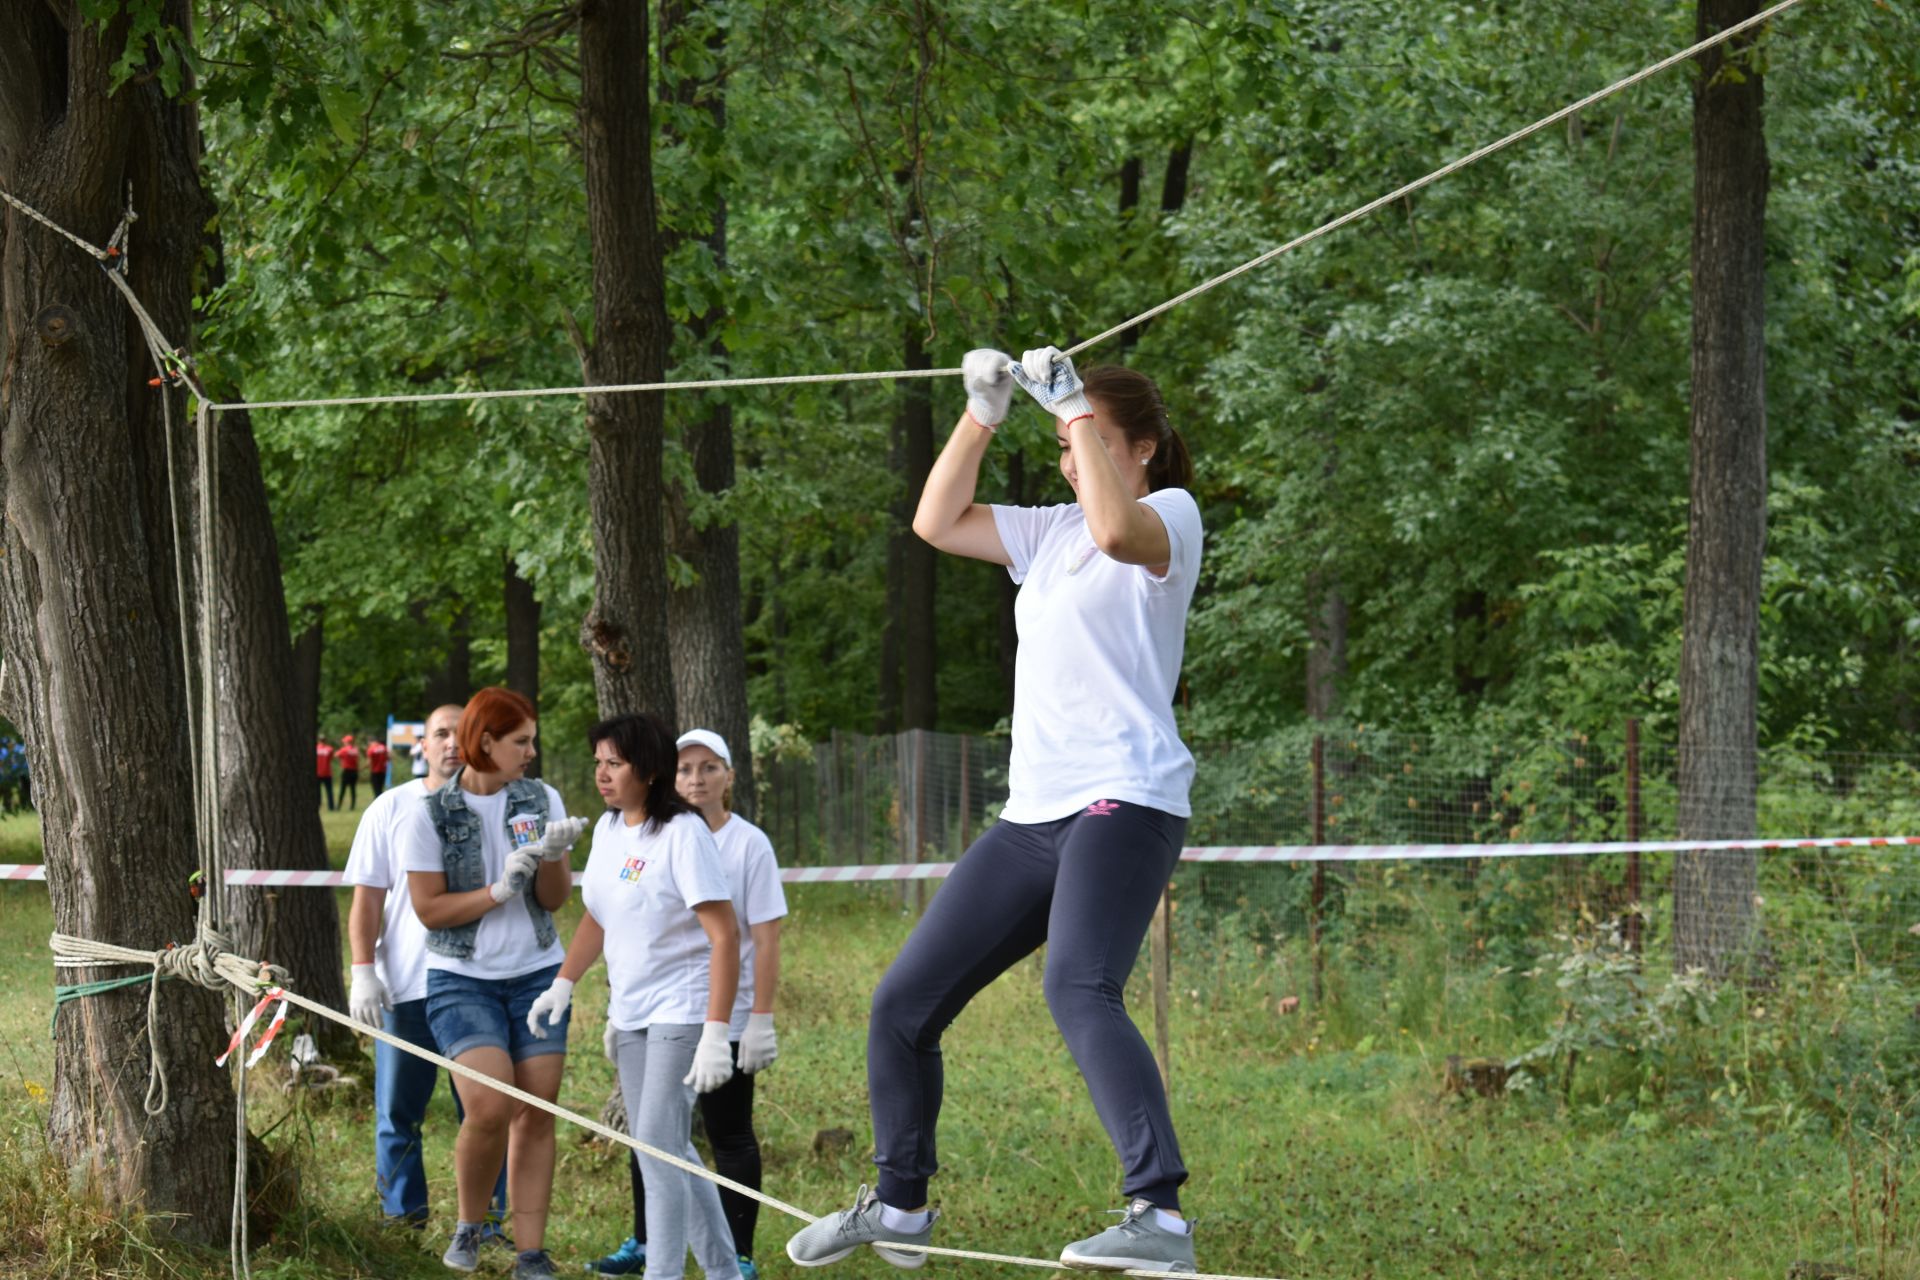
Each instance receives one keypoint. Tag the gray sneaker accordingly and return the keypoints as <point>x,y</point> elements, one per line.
<point>1136,1242</point>
<point>839,1234</point>
<point>533,1265</point>
<point>464,1253</point>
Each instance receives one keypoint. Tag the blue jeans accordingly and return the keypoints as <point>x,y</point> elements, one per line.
<point>402,1087</point>
<point>473,1013</point>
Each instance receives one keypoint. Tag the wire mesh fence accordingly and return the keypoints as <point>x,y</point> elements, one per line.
<point>1412,942</point>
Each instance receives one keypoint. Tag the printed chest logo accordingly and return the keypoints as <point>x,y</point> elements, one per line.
<point>631,872</point>
<point>524,830</point>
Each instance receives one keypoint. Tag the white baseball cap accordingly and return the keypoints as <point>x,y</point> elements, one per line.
<point>710,740</point>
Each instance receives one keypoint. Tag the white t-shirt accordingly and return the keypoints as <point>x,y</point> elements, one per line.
<point>400,952</point>
<point>642,888</point>
<point>753,878</point>
<point>504,947</point>
<point>1099,662</point>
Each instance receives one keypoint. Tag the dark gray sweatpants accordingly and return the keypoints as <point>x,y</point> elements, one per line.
<point>1086,886</point>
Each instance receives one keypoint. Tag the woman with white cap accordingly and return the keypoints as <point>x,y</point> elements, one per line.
<point>705,781</point>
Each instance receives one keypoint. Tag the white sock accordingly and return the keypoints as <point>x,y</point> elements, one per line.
<point>900,1220</point>
<point>1168,1222</point>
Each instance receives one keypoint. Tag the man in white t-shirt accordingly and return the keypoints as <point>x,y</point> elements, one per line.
<point>389,980</point>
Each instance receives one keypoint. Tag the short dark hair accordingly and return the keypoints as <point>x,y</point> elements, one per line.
<point>495,711</point>
<point>646,743</point>
<point>1132,403</point>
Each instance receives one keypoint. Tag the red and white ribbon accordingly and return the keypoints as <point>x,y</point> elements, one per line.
<point>246,1025</point>
<point>890,871</point>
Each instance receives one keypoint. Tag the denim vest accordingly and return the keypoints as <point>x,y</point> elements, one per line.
<point>466,863</point>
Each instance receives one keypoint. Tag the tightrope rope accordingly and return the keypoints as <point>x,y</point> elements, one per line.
<point>208,963</point>
<point>708,384</point>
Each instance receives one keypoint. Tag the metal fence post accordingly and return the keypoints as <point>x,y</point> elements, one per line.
<point>1319,810</point>
<point>1634,921</point>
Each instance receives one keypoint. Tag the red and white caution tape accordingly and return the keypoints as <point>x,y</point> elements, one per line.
<point>894,871</point>
<point>246,1025</point>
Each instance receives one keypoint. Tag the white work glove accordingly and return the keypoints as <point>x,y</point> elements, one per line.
<point>521,864</point>
<point>758,1045</point>
<point>1048,377</point>
<point>610,1043</point>
<point>550,1004</point>
<point>559,837</point>
<point>712,1061</point>
<point>368,998</point>
<point>989,386</point>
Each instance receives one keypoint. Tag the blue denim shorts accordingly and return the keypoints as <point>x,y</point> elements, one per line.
<point>472,1013</point>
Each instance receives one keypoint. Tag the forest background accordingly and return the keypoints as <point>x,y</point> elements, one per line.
<point>1442,454</point>
<point>1444,460</point>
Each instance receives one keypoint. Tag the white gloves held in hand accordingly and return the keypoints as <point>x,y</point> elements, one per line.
<point>712,1061</point>
<point>550,1004</point>
<point>758,1045</point>
<point>1048,376</point>
<point>989,386</point>
<point>521,865</point>
<point>367,999</point>
<point>610,1042</point>
<point>559,838</point>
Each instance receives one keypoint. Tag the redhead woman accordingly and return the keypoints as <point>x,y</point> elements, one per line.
<point>486,862</point>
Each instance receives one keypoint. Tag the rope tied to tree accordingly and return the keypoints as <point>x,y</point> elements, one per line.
<point>208,961</point>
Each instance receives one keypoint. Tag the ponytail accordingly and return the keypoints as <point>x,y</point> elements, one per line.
<point>1132,403</point>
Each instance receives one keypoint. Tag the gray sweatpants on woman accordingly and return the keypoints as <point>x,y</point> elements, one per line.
<point>681,1209</point>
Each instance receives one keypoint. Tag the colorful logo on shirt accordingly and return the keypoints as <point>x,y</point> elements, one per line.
<point>1102,808</point>
<point>524,829</point>
<point>632,870</point>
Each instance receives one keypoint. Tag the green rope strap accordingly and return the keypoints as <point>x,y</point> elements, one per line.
<point>81,990</point>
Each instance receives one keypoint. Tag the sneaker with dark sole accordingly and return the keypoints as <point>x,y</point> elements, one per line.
<point>463,1254</point>
<point>1136,1242</point>
<point>630,1259</point>
<point>839,1234</point>
<point>533,1264</point>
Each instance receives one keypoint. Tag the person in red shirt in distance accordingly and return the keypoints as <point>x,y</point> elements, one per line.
<point>377,765</point>
<point>323,769</point>
<point>348,757</point>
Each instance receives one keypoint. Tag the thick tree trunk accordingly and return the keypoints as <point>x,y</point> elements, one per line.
<point>919,705</point>
<point>306,683</point>
<point>270,819</point>
<point>88,615</point>
<point>453,682</point>
<point>1713,893</point>
<point>522,608</point>
<point>625,631</point>
<point>708,642</point>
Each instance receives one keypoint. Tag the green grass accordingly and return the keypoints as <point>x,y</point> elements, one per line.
<point>1320,1146</point>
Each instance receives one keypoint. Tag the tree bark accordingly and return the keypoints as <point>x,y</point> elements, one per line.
<point>1326,646</point>
<point>89,619</point>
<point>919,562</point>
<point>522,608</point>
<point>1713,900</point>
<point>306,681</point>
<point>625,630</point>
<point>453,682</point>
<point>707,637</point>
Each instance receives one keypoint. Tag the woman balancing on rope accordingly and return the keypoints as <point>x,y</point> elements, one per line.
<point>1097,807</point>
<point>486,861</point>
<point>659,906</point>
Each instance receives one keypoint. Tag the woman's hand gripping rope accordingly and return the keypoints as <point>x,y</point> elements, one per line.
<point>1047,375</point>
